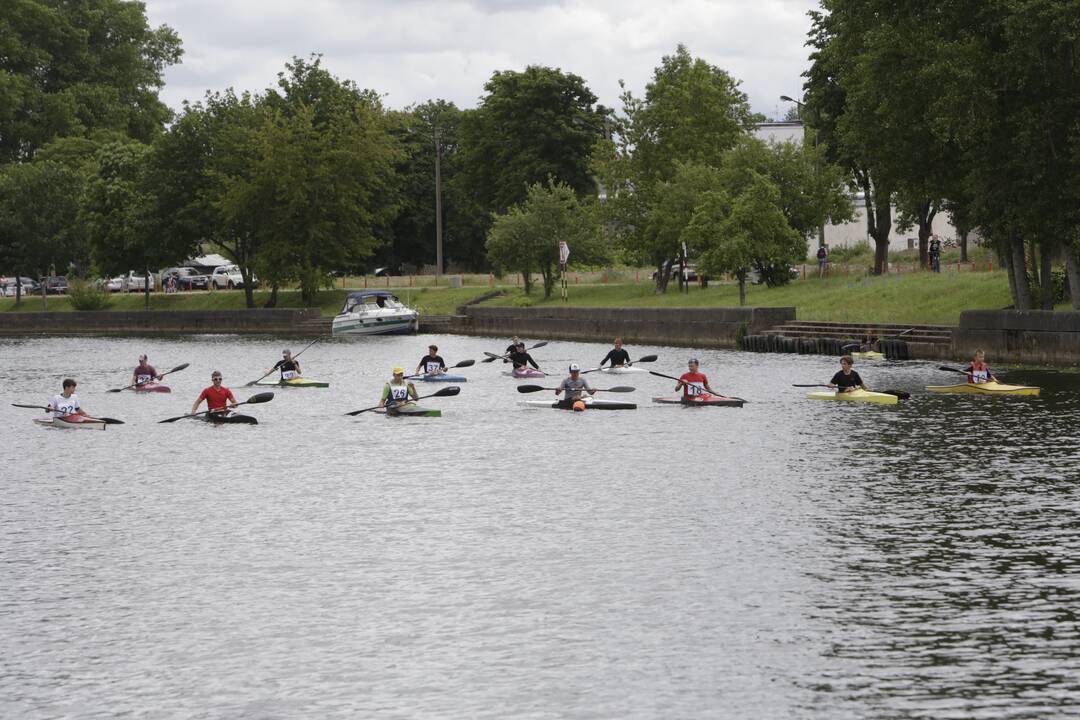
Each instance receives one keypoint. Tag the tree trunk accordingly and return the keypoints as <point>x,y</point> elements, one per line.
<point>1072,266</point>
<point>1018,266</point>
<point>146,288</point>
<point>1046,274</point>
<point>661,278</point>
<point>272,300</point>
<point>249,292</point>
<point>1005,261</point>
<point>927,211</point>
<point>18,288</point>
<point>526,281</point>
<point>963,246</point>
<point>878,222</point>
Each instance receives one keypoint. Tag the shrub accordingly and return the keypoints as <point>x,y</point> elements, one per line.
<point>85,296</point>
<point>522,301</point>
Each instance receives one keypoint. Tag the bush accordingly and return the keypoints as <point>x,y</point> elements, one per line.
<point>843,254</point>
<point>522,301</point>
<point>1061,287</point>
<point>86,297</point>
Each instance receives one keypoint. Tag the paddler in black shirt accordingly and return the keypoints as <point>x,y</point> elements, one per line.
<point>289,368</point>
<point>514,342</point>
<point>431,364</point>
<point>618,356</point>
<point>847,379</point>
<point>520,358</point>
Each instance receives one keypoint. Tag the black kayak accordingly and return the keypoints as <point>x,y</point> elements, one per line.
<point>229,419</point>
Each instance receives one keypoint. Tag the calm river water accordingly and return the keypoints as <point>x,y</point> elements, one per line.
<point>790,559</point>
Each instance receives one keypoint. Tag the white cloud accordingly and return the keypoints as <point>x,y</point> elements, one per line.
<point>415,50</point>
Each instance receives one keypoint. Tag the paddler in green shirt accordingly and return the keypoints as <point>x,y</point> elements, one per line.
<point>397,391</point>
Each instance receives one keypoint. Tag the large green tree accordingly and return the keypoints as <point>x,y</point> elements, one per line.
<point>71,68</point>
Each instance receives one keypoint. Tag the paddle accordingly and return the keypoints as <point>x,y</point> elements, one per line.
<point>537,388</point>
<point>462,364</point>
<point>955,370</point>
<point>699,387</point>
<point>645,359</point>
<point>492,357</point>
<point>253,382</point>
<point>178,368</point>
<point>253,400</point>
<point>107,421</point>
<point>445,392</point>
<point>898,393</point>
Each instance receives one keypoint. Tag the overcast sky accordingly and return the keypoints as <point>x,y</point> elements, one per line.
<point>415,50</point>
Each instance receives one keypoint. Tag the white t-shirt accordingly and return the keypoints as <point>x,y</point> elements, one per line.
<point>65,405</point>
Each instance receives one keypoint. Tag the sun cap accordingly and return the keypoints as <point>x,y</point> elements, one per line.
<point>574,367</point>
<point>692,359</point>
<point>143,357</point>
<point>399,371</point>
<point>286,351</point>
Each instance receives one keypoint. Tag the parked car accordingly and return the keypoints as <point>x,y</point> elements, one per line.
<point>227,277</point>
<point>136,281</point>
<point>187,278</point>
<point>385,271</point>
<point>29,286</point>
<point>772,275</point>
<point>55,285</point>
<point>672,268</point>
<point>115,284</point>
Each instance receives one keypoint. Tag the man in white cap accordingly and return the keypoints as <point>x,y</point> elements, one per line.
<point>144,372</point>
<point>574,386</point>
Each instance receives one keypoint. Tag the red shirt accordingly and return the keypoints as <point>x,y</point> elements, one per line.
<point>215,397</point>
<point>698,379</point>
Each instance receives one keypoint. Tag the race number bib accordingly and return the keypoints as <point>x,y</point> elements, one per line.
<point>143,379</point>
<point>431,368</point>
<point>694,390</point>
<point>397,394</point>
<point>289,375</point>
<point>980,376</point>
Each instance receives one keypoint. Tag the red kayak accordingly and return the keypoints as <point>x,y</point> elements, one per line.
<point>700,400</point>
<point>151,387</point>
<point>525,372</point>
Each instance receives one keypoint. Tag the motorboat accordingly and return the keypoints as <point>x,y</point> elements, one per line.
<point>375,312</point>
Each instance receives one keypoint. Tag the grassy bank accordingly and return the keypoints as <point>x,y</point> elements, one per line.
<point>920,298</point>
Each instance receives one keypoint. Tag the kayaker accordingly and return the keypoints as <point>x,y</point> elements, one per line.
<point>144,372</point>
<point>574,386</point>
<point>978,371</point>
<point>617,357</point>
<point>521,358</point>
<point>514,342</point>
<point>67,402</point>
<point>397,391</point>
<point>847,380</point>
<point>218,398</point>
<point>693,382</point>
<point>431,364</point>
<point>289,367</point>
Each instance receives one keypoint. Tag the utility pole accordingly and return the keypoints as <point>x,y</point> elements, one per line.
<point>438,206</point>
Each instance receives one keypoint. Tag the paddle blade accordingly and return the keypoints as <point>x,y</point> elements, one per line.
<point>619,389</point>
<point>172,419</point>
<point>808,385</point>
<point>446,392</point>
<point>259,398</point>
<point>539,345</point>
<point>110,421</point>
<point>178,368</point>
<point>529,388</point>
<point>117,389</point>
<point>658,374</point>
<point>898,393</point>
<point>465,363</point>
<point>32,407</point>
<point>492,356</point>
<point>646,359</point>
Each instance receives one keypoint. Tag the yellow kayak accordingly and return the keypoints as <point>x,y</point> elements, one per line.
<point>986,388</point>
<point>868,355</point>
<point>856,396</point>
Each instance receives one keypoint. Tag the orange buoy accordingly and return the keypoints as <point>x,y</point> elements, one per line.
<point>579,406</point>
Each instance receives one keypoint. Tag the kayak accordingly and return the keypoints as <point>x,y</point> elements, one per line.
<point>231,418</point>
<point>297,382</point>
<point>986,388</point>
<point>409,410</point>
<point>856,396</point>
<point>525,373</point>
<point>699,400</point>
<point>590,403</point>
<point>151,387</point>
<point>74,422</point>
<point>622,370</point>
<point>869,355</point>
<point>443,378</point>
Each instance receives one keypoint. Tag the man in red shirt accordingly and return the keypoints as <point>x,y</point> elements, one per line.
<point>693,383</point>
<point>216,396</point>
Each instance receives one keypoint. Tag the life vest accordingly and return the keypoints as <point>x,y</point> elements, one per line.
<point>979,373</point>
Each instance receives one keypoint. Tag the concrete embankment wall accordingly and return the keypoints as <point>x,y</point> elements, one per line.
<point>696,327</point>
<point>163,322</point>
<point>1020,336</point>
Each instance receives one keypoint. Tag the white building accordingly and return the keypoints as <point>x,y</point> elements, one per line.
<point>847,234</point>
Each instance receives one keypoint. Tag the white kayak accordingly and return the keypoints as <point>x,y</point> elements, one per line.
<point>622,370</point>
<point>590,404</point>
<point>73,422</point>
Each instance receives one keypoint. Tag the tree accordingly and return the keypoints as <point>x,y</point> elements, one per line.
<point>733,232</point>
<point>691,114</point>
<point>39,218</point>
<point>529,126</point>
<point>526,238</point>
<point>71,68</point>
